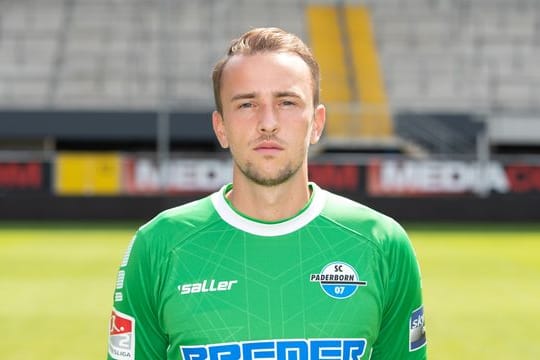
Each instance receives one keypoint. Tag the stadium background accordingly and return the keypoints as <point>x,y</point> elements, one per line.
<point>105,115</point>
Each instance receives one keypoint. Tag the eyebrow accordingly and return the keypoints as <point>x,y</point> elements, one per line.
<point>250,95</point>
<point>253,95</point>
<point>287,94</point>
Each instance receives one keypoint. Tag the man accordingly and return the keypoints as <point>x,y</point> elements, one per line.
<point>270,266</point>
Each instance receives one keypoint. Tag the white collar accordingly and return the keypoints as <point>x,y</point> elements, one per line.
<point>233,218</point>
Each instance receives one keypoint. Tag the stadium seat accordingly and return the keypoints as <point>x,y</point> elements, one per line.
<point>454,55</point>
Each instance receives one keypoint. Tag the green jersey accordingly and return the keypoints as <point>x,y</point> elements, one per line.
<point>203,281</point>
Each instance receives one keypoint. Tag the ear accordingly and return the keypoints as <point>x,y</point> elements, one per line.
<point>319,119</point>
<point>219,129</point>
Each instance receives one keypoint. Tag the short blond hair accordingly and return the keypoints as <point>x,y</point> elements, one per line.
<point>262,40</point>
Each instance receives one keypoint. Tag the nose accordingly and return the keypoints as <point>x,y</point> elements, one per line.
<point>268,123</point>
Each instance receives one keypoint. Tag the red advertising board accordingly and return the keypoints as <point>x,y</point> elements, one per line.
<point>24,176</point>
<point>390,178</point>
<point>450,177</point>
<point>180,176</point>
<point>336,177</point>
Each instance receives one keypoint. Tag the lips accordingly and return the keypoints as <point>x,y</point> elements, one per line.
<point>268,145</point>
<point>268,148</point>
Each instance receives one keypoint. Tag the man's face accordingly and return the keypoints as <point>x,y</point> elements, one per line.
<point>268,119</point>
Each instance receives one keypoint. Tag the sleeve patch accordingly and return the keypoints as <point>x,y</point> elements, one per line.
<point>121,336</point>
<point>417,329</point>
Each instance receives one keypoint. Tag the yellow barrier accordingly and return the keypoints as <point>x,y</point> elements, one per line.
<point>327,46</point>
<point>342,40</point>
<point>82,173</point>
<point>368,74</point>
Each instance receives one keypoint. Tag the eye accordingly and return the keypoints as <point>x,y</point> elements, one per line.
<point>245,105</point>
<point>288,103</point>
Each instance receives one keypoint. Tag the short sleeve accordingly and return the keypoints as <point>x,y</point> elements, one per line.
<point>135,331</point>
<point>402,334</point>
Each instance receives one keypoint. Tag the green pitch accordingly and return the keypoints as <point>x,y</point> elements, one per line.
<point>482,289</point>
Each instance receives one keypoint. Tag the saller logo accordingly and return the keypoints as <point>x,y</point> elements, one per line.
<point>121,336</point>
<point>297,349</point>
<point>206,286</point>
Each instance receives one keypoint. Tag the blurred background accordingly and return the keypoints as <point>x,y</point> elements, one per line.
<point>432,103</point>
<point>433,117</point>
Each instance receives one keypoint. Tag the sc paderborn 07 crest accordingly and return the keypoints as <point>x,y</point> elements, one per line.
<point>338,280</point>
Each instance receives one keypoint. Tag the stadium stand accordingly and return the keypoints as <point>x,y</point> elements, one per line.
<point>460,55</point>
<point>83,82</point>
<point>456,54</point>
<point>423,56</point>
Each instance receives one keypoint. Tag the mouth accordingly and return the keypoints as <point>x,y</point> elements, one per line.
<point>268,147</point>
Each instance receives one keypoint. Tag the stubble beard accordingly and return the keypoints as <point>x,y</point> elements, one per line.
<point>283,174</point>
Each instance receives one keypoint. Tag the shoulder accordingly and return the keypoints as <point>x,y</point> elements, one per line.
<point>158,238</point>
<point>373,227</point>
<point>186,217</point>
<point>172,226</point>
<point>377,227</point>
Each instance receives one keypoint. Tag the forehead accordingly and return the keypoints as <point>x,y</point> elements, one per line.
<point>273,71</point>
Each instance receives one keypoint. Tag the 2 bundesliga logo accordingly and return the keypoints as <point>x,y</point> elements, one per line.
<point>338,280</point>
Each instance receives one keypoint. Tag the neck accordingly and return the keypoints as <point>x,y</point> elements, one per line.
<point>270,203</point>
